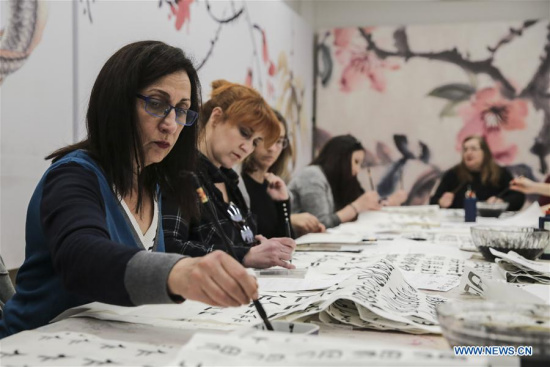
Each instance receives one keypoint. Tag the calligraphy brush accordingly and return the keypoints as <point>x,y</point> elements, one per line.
<point>288,230</point>
<point>256,302</point>
<point>228,246</point>
<point>499,195</point>
<point>459,188</point>
<point>371,182</point>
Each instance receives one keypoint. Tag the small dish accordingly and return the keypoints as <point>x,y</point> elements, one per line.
<point>494,210</point>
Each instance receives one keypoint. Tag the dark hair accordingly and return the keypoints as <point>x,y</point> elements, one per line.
<point>279,167</point>
<point>243,105</point>
<point>490,171</point>
<point>114,138</point>
<point>335,161</point>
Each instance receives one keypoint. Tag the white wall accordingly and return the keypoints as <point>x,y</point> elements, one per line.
<point>36,117</point>
<point>304,8</point>
<point>38,102</point>
<point>345,13</point>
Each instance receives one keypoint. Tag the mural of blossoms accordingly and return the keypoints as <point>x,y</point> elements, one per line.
<point>241,41</point>
<point>413,93</point>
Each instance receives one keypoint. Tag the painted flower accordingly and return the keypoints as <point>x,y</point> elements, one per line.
<point>359,64</point>
<point>182,12</point>
<point>248,79</point>
<point>489,114</point>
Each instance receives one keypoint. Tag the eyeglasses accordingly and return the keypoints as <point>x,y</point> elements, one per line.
<point>158,108</point>
<point>281,142</point>
<point>246,232</point>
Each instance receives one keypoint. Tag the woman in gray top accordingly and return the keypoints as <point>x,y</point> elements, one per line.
<point>329,189</point>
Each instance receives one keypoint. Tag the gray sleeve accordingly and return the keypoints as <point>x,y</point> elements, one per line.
<point>146,277</point>
<point>313,192</point>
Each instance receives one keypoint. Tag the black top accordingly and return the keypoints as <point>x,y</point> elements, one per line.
<point>200,237</point>
<point>450,183</point>
<point>269,213</point>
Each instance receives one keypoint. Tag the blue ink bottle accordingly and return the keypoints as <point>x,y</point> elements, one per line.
<point>544,223</point>
<point>470,205</point>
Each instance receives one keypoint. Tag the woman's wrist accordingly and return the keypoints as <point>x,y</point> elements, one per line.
<point>354,209</point>
<point>543,189</point>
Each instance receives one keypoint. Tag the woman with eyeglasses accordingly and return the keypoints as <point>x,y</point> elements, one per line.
<point>232,123</point>
<point>329,189</point>
<point>269,197</point>
<point>94,228</point>
<point>479,173</point>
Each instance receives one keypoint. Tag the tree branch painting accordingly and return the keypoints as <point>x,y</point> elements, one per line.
<point>493,78</point>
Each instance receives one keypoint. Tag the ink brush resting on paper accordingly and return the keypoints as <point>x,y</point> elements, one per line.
<point>204,200</point>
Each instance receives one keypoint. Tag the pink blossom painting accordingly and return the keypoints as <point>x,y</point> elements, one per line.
<point>413,93</point>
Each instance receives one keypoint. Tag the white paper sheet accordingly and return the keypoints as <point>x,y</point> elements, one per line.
<point>329,238</point>
<point>278,349</point>
<point>527,218</point>
<point>35,348</point>
<point>542,268</point>
<point>432,282</point>
<point>417,257</point>
<point>498,290</point>
<point>413,209</point>
<point>281,284</point>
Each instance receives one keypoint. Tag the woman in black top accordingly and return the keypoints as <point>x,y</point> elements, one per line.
<point>231,123</point>
<point>479,172</point>
<point>269,196</point>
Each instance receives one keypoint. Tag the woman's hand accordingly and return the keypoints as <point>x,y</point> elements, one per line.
<point>494,199</point>
<point>397,198</point>
<point>216,279</point>
<point>304,223</point>
<point>276,187</point>
<point>270,252</point>
<point>446,200</point>
<point>370,200</point>
<point>524,185</point>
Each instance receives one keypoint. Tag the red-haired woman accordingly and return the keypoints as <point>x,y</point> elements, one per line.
<point>232,123</point>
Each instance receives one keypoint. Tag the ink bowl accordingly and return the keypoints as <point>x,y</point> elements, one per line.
<point>290,327</point>
<point>483,323</point>
<point>485,209</point>
<point>529,242</point>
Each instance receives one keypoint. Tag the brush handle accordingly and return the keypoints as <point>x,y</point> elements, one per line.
<point>263,314</point>
<point>229,247</point>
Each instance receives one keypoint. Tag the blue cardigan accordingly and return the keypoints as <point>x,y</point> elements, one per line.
<point>71,259</point>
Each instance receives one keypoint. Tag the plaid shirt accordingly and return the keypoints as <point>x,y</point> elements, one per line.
<point>201,237</point>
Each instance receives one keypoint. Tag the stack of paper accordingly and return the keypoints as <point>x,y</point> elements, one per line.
<point>331,242</point>
<point>376,297</point>
<point>517,268</point>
